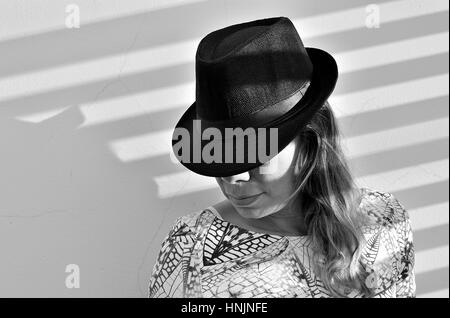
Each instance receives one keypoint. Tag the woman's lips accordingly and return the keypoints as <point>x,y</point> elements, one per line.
<point>244,200</point>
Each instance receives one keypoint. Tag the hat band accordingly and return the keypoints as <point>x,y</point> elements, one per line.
<point>261,117</point>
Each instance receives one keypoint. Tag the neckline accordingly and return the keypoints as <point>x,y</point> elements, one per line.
<point>214,211</point>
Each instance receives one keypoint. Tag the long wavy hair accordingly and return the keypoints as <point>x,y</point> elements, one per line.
<point>331,199</point>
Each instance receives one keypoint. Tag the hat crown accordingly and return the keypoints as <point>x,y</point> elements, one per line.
<point>247,67</point>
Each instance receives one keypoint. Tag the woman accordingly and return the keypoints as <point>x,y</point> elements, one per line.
<point>294,223</point>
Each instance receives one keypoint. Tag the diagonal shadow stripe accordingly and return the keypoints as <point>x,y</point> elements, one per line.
<point>139,124</point>
<point>145,81</point>
<point>101,90</point>
<point>428,195</point>
<point>431,237</point>
<point>393,117</point>
<point>388,160</point>
<point>350,126</point>
<point>422,196</point>
<point>393,73</point>
<point>163,162</point>
<point>408,156</point>
<point>145,30</point>
<point>388,32</point>
<point>432,281</point>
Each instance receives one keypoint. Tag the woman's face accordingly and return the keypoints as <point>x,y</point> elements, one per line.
<point>263,190</point>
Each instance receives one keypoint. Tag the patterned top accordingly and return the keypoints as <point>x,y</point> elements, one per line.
<point>206,256</point>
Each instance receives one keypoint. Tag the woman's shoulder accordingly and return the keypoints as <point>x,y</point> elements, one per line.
<point>389,252</point>
<point>387,216</point>
<point>190,222</point>
<point>382,208</point>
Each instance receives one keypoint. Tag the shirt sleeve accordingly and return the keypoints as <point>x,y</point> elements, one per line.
<point>405,283</point>
<point>166,278</point>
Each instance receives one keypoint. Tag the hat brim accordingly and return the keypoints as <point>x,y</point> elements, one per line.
<point>323,82</point>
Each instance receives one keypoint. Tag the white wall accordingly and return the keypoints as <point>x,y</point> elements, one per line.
<point>86,114</point>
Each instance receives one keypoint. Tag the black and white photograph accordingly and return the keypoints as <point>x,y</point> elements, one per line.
<point>218,149</point>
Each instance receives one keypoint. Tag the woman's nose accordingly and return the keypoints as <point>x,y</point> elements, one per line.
<point>242,177</point>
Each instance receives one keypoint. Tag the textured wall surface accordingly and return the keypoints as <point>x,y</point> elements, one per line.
<point>86,113</point>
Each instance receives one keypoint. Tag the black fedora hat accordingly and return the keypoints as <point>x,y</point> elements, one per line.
<point>255,75</point>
